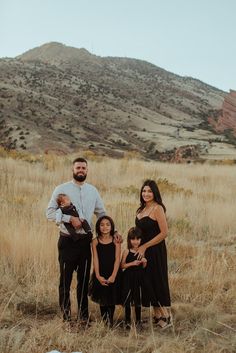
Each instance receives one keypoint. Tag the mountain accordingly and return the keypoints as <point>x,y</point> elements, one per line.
<point>58,98</point>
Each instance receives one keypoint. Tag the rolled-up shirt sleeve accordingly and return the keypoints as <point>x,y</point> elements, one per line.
<point>59,215</point>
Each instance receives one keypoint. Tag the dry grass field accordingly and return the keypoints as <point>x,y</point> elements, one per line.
<point>200,201</point>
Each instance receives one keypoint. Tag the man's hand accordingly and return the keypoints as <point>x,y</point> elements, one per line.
<point>75,221</point>
<point>118,238</point>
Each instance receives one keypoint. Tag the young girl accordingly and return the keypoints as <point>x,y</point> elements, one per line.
<point>135,288</point>
<point>104,288</point>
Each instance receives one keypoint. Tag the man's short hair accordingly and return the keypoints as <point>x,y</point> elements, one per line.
<point>79,159</point>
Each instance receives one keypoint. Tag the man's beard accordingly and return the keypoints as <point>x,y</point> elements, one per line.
<point>79,177</point>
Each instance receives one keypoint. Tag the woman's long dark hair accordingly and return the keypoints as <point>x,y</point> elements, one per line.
<point>98,231</point>
<point>156,194</point>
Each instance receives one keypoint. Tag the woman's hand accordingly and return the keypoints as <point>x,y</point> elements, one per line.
<point>144,260</point>
<point>140,252</point>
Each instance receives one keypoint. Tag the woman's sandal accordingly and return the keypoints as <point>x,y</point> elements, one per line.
<point>167,322</point>
<point>156,320</point>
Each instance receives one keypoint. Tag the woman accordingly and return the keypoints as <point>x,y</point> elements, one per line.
<point>151,220</point>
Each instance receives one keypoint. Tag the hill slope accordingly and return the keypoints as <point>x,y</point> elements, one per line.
<point>56,97</point>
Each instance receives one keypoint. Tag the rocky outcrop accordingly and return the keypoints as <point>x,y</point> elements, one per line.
<point>185,154</point>
<point>227,120</point>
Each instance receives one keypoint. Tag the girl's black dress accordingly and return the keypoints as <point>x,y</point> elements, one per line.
<point>136,289</point>
<point>105,295</point>
<point>157,269</point>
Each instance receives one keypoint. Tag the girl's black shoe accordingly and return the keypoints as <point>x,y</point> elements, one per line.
<point>127,324</point>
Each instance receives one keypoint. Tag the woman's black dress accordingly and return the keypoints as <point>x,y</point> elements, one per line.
<point>105,295</point>
<point>136,289</point>
<point>156,270</point>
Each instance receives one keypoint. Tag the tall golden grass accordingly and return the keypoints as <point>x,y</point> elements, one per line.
<point>200,201</point>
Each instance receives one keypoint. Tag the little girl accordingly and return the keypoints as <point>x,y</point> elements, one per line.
<point>104,288</point>
<point>135,287</point>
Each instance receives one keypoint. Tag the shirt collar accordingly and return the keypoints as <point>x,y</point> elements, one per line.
<point>78,186</point>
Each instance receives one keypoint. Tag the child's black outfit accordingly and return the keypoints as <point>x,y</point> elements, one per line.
<point>71,211</point>
<point>106,296</point>
<point>136,290</point>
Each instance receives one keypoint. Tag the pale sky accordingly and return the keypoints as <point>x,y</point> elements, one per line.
<point>194,38</point>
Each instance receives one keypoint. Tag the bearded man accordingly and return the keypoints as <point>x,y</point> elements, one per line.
<point>75,255</point>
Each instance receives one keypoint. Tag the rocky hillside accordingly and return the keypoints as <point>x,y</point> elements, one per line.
<point>226,121</point>
<point>58,98</point>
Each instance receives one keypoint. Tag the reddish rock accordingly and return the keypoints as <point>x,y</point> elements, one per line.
<point>227,119</point>
<point>185,154</point>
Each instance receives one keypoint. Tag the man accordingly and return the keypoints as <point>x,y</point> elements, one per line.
<point>75,255</point>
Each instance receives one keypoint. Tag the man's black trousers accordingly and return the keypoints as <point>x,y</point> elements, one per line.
<point>74,256</point>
